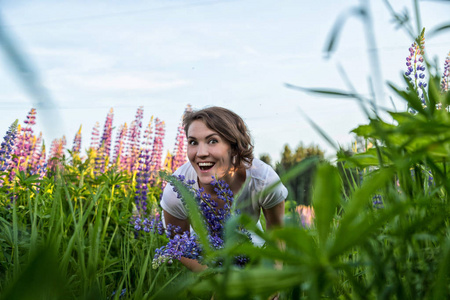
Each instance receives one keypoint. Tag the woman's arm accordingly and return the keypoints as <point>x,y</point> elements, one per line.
<point>183,224</point>
<point>191,264</point>
<point>274,216</point>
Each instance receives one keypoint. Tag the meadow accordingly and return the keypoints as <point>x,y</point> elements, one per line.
<point>87,224</point>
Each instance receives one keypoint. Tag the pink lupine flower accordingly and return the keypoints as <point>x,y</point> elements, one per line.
<point>31,117</point>
<point>95,138</point>
<point>57,154</point>
<point>180,151</point>
<point>24,143</point>
<point>35,154</point>
<point>158,146</point>
<point>134,136</point>
<point>119,147</point>
<point>306,214</point>
<point>148,135</point>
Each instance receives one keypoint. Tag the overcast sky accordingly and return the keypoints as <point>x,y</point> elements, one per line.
<point>91,56</point>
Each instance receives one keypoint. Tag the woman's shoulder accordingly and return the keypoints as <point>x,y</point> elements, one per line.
<point>261,171</point>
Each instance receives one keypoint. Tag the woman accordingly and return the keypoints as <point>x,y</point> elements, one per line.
<point>219,145</point>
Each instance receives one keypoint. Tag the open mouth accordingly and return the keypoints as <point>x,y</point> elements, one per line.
<point>205,166</point>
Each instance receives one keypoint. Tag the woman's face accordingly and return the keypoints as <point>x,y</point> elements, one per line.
<point>208,152</point>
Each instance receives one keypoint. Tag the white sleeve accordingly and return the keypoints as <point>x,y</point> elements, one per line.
<point>172,204</point>
<point>277,195</point>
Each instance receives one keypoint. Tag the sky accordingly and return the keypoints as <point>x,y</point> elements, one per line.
<point>87,57</point>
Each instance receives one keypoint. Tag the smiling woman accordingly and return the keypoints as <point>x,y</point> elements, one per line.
<point>219,146</point>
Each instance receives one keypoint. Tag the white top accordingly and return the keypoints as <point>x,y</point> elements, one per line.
<point>259,176</point>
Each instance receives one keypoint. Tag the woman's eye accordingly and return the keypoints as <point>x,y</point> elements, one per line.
<point>192,143</point>
<point>213,141</point>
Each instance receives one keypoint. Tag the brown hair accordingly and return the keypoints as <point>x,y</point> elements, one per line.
<point>229,126</point>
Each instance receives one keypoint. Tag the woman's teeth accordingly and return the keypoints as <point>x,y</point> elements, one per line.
<point>205,165</point>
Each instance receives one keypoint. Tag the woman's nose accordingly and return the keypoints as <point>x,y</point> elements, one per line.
<point>202,150</point>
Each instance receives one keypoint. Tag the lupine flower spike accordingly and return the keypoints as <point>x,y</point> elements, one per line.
<point>133,145</point>
<point>119,148</point>
<point>107,133</point>
<point>76,148</point>
<point>95,136</point>
<point>6,150</point>
<point>446,74</point>
<point>158,146</point>
<point>57,154</point>
<point>416,66</point>
<point>24,143</point>
<point>179,153</point>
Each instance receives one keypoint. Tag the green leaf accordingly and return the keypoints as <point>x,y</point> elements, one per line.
<point>257,281</point>
<point>409,96</point>
<point>326,196</point>
<point>324,91</point>
<point>438,29</point>
<point>354,224</point>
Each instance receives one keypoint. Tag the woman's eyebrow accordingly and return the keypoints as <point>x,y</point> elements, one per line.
<point>207,137</point>
<point>211,135</point>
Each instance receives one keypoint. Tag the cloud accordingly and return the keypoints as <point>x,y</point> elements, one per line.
<point>143,81</point>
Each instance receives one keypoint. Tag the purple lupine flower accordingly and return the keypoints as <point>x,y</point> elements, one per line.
<point>214,217</point>
<point>76,148</point>
<point>142,179</point>
<point>416,67</point>
<point>122,293</point>
<point>446,74</point>
<point>36,164</point>
<point>377,201</point>
<point>105,141</point>
<point>6,149</point>
<point>430,179</point>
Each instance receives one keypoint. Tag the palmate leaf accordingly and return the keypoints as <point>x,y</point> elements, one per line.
<point>365,159</point>
<point>375,129</point>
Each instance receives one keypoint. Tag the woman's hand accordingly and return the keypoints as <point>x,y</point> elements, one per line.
<point>191,264</point>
